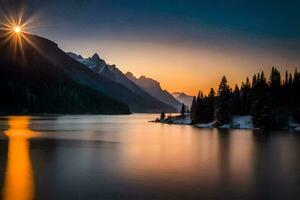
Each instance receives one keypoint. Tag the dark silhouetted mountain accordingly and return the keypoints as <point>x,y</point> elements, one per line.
<point>39,79</point>
<point>52,70</point>
<point>184,98</point>
<point>111,72</point>
<point>153,87</point>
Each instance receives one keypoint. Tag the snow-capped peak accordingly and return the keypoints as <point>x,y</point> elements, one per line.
<point>95,58</point>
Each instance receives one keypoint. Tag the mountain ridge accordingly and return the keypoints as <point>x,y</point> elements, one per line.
<point>153,87</point>
<point>111,72</point>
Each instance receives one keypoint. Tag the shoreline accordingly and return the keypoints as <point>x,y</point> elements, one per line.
<point>238,123</point>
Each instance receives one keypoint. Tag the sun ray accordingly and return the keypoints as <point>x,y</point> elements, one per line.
<point>13,30</point>
<point>32,44</point>
<point>15,27</point>
<point>20,44</point>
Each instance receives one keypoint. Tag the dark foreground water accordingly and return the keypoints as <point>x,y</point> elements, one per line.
<point>125,157</point>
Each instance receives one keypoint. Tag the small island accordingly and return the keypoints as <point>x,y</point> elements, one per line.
<point>268,104</point>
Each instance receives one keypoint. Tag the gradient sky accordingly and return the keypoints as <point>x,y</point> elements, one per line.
<point>187,45</point>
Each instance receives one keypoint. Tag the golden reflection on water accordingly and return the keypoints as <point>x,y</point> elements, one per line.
<point>19,182</point>
<point>186,153</point>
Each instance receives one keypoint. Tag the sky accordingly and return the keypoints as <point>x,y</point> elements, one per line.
<point>187,45</point>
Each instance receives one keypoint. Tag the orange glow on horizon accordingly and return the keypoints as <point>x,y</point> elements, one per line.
<point>181,68</point>
<point>19,182</point>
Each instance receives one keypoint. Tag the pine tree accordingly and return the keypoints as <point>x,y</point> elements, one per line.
<point>224,103</point>
<point>236,97</point>
<point>162,116</point>
<point>245,93</point>
<point>211,105</point>
<point>290,92</point>
<point>296,96</point>
<point>182,111</point>
<point>286,78</point>
<point>193,110</point>
<point>262,107</point>
<point>199,108</point>
<point>290,80</point>
<point>187,109</point>
<point>254,79</point>
<point>275,86</point>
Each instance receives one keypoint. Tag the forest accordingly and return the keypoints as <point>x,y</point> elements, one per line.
<point>272,102</point>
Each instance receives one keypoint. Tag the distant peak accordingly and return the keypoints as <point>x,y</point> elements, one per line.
<point>130,76</point>
<point>96,57</point>
<point>149,82</point>
<point>180,94</point>
<point>144,78</point>
<point>177,94</point>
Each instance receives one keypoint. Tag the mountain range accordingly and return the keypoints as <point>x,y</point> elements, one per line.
<point>38,77</point>
<point>147,88</point>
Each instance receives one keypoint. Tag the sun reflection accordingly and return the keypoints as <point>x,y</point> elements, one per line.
<point>19,183</point>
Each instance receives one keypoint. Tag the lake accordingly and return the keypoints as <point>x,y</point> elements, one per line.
<point>126,157</point>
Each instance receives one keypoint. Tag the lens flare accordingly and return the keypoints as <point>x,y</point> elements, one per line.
<point>17,29</point>
<point>14,30</point>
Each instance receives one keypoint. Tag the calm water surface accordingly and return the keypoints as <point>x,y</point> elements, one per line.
<point>125,157</point>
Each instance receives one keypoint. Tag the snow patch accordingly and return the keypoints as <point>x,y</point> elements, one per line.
<point>295,126</point>
<point>204,125</point>
<point>238,122</point>
<point>242,122</point>
<point>185,121</point>
<point>176,120</point>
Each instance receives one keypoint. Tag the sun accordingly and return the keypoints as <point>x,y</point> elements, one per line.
<point>17,29</point>
<point>14,30</point>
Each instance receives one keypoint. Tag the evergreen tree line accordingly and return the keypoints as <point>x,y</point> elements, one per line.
<point>271,102</point>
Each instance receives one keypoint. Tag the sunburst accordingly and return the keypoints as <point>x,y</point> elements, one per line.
<point>14,30</point>
<point>17,29</point>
